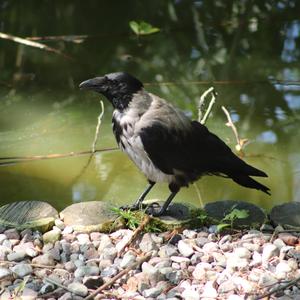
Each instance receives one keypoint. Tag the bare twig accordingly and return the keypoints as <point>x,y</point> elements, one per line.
<point>119,275</point>
<point>201,103</point>
<point>12,160</point>
<point>26,42</point>
<point>198,193</point>
<point>240,143</point>
<point>278,289</point>
<point>98,126</point>
<point>145,221</point>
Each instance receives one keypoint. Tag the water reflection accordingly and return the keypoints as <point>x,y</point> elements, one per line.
<point>247,49</point>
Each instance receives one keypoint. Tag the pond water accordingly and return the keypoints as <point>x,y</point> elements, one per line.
<point>248,50</point>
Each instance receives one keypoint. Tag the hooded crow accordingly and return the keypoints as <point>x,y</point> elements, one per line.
<point>165,144</point>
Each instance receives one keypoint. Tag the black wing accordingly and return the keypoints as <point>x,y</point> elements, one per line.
<point>195,152</point>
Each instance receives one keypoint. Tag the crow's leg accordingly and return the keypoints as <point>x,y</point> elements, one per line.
<point>136,205</point>
<point>174,190</point>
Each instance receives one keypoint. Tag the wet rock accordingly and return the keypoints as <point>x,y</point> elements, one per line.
<point>185,249</point>
<point>78,289</point>
<point>22,269</point>
<point>287,215</point>
<point>90,216</point>
<point>35,215</point>
<point>219,209</point>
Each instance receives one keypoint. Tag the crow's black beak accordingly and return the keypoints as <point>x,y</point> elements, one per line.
<point>92,84</point>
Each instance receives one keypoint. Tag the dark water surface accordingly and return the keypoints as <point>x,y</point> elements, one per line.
<point>248,50</point>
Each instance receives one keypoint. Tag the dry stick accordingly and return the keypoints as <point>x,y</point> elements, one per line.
<point>145,221</point>
<point>98,126</point>
<point>22,41</point>
<point>119,275</point>
<point>201,103</point>
<point>240,142</point>
<point>280,288</point>
<point>210,106</point>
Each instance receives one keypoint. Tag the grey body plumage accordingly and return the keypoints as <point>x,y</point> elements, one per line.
<point>163,143</point>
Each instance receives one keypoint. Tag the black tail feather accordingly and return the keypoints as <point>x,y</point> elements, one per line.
<point>249,182</point>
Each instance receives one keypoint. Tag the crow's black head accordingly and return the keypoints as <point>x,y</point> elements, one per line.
<point>118,88</point>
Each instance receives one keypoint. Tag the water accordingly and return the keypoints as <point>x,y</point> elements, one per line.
<point>249,53</point>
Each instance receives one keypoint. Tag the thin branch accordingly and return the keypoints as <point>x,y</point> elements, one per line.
<point>12,160</point>
<point>279,289</point>
<point>145,221</point>
<point>201,103</point>
<point>240,143</point>
<point>119,275</point>
<point>210,106</point>
<point>98,126</point>
<point>22,41</point>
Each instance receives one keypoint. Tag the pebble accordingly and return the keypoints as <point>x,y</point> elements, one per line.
<point>78,289</point>
<point>185,249</point>
<point>5,274</point>
<point>194,265</point>
<point>269,251</point>
<point>22,269</point>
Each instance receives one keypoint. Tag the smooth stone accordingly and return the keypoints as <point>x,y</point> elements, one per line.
<point>185,249</point>
<point>267,280</point>
<point>51,236</point>
<point>47,288</point>
<point>29,294</point>
<point>60,224</point>
<point>147,244</point>
<point>5,274</point>
<point>209,291</point>
<point>36,215</point>
<point>90,216</point>
<point>180,259</point>
<point>279,243</point>
<point>251,247</point>
<point>282,269</point>
<point>269,251</point>
<point>86,271</point>
<point>190,234</point>
<point>3,237</point>
<point>167,251</point>
<point>66,296</point>
<point>286,215</point>
<point>210,247</point>
<point>234,262</point>
<point>22,269</point>
<point>174,277</point>
<point>152,292</point>
<point>78,289</point>
<point>190,294</point>
<point>45,260</point>
<point>12,234</point>
<point>226,287</point>
<point>128,259</point>
<point>201,241</point>
<point>219,209</point>
<point>92,282</point>
<point>109,272</point>
<point>16,256</point>
<point>288,238</point>
<point>241,252</point>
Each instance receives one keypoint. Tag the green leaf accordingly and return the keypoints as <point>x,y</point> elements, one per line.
<point>236,214</point>
<point>135,27</point>
<point>222,226</point>
<point>142,28</point>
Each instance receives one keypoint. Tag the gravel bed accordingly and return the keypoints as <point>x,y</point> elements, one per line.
<point>196,264</point>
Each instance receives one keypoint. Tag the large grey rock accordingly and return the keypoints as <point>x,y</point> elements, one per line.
<point>286,215</point>
<point>90,216</point>
<point>35,215</point>
<point>219,209</point>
